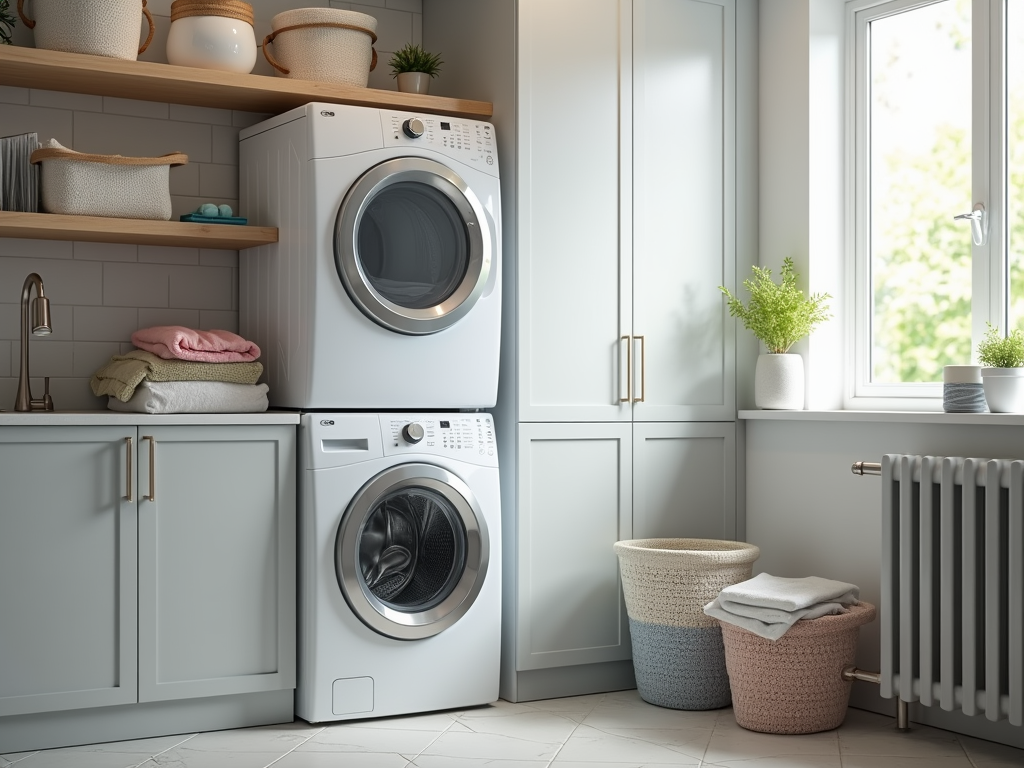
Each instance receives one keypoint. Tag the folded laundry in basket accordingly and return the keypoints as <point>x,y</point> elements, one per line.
<point>769,605</point>
<point>194,397</point>
<point>123,373</point>
<point>176,341</point>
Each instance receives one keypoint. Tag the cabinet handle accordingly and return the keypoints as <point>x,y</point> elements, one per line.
<point>128,451</point>
<point>629,370</point>
<point>643,369</point>
<point>152,468</point>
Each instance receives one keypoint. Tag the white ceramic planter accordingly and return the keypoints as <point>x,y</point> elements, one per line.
<point>413,82</point>
<point>1004,389</point>
<point>212,42</point>
<point>779,382</point>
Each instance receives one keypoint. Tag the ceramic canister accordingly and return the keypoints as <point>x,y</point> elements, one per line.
<point>212,34</point>
<point>962,390</point>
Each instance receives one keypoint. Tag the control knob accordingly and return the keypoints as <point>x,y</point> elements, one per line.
<point>412,432</point>
<point>413,127</point>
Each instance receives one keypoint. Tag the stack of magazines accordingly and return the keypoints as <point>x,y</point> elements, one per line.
<point>19,179</point>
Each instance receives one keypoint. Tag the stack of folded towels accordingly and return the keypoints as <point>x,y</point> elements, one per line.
<point>181,370</point>
<point>769,605</point>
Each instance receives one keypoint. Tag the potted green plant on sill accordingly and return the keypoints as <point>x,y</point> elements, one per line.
<point>413,68</point>
<point>1002,374</point>
<point>779,315</point>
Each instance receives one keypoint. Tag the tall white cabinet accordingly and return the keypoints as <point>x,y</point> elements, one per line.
<point>626,136</point>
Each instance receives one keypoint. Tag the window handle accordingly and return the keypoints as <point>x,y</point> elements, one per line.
<point>979,223</point>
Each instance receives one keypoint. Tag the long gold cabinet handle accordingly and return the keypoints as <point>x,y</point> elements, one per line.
<point>629,369</point>
<point>643,369</point>
<point>128,451</point>
<point>152,468</point>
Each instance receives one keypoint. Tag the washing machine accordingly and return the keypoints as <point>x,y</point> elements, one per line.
<point>399,564</point>
<point>384,288</point>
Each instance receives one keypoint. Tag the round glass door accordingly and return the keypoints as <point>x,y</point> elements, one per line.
<point>412,246</point>
<point>411,551</point>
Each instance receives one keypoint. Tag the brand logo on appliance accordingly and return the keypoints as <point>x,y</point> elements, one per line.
<point>326,422</point>
<point>325,113</point>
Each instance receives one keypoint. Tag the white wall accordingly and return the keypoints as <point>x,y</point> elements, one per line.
<point>101,293</point>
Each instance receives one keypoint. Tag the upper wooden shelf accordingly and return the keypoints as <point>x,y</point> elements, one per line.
<point>150,81</point>
<point>95,229</point>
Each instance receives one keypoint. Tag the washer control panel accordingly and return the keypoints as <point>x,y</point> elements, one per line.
<point>469,141</point>
<point>465,436</point>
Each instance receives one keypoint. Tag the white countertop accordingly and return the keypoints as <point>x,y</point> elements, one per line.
<point>112,418</point>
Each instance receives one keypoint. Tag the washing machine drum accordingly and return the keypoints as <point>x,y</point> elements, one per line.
<point>411,551</point>
<point>413,246</point>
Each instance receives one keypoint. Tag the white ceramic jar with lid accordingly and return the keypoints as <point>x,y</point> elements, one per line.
<point>212,34</point>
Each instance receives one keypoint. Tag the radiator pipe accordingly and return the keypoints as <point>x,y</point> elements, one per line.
<point>902,708</point>
<point>866,468</point>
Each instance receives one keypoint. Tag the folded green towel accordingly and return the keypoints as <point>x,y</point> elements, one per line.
<point>123,373</point>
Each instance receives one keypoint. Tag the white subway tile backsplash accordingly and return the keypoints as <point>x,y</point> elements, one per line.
<point>65,282</point>
<point>6,362</point>
<point>105,323</point>
<point>71,394</point>
<point>106,251</point>
<point>61,321</point>
<point>225,145</point>
<point>245,119</point>
<point>211,257</point>
<point>42,249</point>
<point>141,137</point>
<point>90,356</point>
<point>417,30</point>
<point>409,6</point>
<point>184,179</point>
<point>218,181</point>
<point>84,102</point>
<point>135,285</point>
<point>161,254</point>
<point>208,115</point>
<point>49,358</point>
<point>152,317</point>
<point>11,95</point>
<point>213,319</point>
<point>132,108</point>
<point>48,123</point>
<point>394,29</point>
<point>201,287</point>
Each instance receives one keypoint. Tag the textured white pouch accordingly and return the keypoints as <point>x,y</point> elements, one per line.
<point>78,184</point>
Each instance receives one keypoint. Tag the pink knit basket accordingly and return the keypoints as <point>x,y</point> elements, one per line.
<point>794,684</point>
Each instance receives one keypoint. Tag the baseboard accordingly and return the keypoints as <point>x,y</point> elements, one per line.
<point>577,680</point>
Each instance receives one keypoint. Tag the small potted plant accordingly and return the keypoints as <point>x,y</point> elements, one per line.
<point>413,67</point>
<point>1002,374</point>
<point>6,22</point>
<point>779,315</point>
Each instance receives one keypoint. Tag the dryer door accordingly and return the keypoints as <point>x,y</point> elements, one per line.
<point>411,552</point>
<point>413,245</point>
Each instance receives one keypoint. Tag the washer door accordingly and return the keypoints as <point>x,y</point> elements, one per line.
<point>412,246</point>
<point>411,552</point>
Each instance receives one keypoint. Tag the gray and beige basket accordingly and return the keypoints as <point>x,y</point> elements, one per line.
<point>794,684</point>
<point>79,184</point>
<point>329,45</point>
<point>108,28</point>
<point>678,655</point>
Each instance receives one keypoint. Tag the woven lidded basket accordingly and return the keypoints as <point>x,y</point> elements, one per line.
<point>794,684</point>
<point>98,27</point>
<point>678,655</point>
<point>79,184</point>
<point>325,44</point>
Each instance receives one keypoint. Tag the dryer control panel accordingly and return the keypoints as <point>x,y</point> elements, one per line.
<point>469,141</point>
<point>464,436</point>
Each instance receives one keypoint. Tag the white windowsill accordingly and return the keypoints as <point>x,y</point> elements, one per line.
<point>890,417</point>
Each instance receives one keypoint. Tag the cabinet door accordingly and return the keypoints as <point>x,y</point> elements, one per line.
<point>684,480</point>
<point>684,208</point>
<point>573,205</point>
<point>574,504</point>
<point>67,568</point>
<point>217,547</point>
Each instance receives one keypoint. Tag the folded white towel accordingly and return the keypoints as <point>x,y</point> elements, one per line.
<point>771,630</point>
<point>194,397</point>
<point>788,595</point>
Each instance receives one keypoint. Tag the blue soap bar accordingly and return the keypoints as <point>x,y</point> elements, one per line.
<point>196,218</point>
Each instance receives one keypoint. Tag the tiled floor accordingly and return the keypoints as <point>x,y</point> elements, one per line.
<point>613,730</point>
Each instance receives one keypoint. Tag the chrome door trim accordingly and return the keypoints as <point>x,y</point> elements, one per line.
<point>370,610</point>
<point>392,316</point>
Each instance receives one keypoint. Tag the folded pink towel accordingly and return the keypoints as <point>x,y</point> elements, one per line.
<point>177,342</point>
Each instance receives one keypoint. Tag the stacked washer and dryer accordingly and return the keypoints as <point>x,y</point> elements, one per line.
<point>378,313</point>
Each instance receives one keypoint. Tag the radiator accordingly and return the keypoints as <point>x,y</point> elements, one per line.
<point>952,602</point>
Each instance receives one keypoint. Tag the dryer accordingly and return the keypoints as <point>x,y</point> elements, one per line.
<point>384,289</point>
<point>399,564</point>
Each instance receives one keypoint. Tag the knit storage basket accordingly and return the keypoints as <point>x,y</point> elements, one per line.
<point>325,44</point>
<point>678,655</point>
<point>794,684</point>
<point>98,27</point>
<point>79,184</point>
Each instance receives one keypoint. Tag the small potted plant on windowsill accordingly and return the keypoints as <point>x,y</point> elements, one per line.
<point>1002,374</point>
<point>413,67</point>
<point>779,315</point>
<point>6,22</point>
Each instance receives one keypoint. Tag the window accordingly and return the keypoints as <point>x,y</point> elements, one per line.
<point>937,109</point>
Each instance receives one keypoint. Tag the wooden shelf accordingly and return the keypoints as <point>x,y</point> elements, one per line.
<point>150,81</point>
<point>95,229</point>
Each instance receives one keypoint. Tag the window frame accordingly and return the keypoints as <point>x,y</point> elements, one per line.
<point>989,184</point>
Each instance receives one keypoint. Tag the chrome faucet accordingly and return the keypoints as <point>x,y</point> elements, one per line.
<point>40,324</point>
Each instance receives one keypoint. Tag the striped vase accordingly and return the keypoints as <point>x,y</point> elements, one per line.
<point>678,655</point>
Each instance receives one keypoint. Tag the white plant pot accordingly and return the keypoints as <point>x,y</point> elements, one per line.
<point>1004,389</point>
<point>779,382</point>
<point>212,42</point>
<point>413,82</point>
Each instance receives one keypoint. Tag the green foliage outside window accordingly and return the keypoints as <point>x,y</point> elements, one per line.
<point>6,22</point>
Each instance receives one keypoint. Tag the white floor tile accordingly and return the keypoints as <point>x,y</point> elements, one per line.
<point>893,761</point>
<point>331,760</point>
<point>783,761</point>
<point>987,754</point>
<point>456,743</point>
<point>593,745</point>
<point>433,761</point>
<point>358,738</point>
